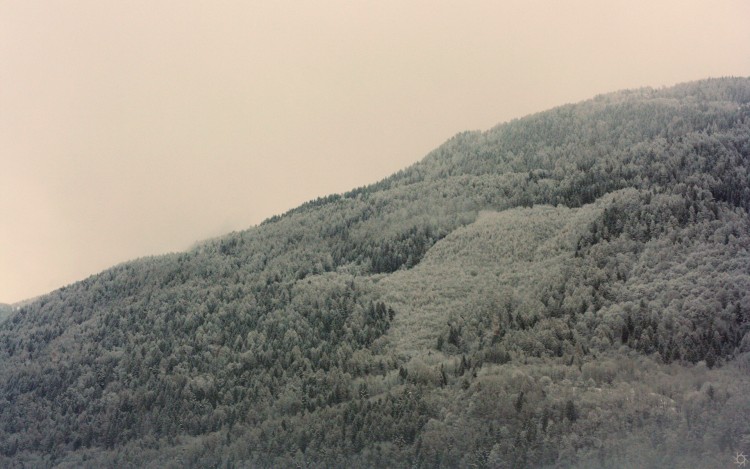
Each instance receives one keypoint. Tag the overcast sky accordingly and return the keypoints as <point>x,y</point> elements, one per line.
<point>130,128</point>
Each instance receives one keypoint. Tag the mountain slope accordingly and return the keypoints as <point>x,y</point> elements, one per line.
<point>570,288</point>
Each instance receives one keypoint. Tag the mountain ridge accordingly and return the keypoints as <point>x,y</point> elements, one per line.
<point>511,290</point>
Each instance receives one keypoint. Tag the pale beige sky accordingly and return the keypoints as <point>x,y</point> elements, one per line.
<point>130,128</point>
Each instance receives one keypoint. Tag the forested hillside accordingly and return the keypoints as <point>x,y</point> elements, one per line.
<point>5,311</point>
<point>567,289</point>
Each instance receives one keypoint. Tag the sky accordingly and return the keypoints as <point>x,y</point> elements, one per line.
<point>137,128</point>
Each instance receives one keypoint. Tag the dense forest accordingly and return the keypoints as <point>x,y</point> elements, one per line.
<point>5,311</point>
<point>569,289</point>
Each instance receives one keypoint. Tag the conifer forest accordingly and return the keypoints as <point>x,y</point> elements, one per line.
<point>567,289</point>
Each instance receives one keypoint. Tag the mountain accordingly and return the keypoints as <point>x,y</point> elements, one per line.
<point>567,289</point>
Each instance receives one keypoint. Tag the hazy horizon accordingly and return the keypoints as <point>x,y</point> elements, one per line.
<point>136,129</point>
